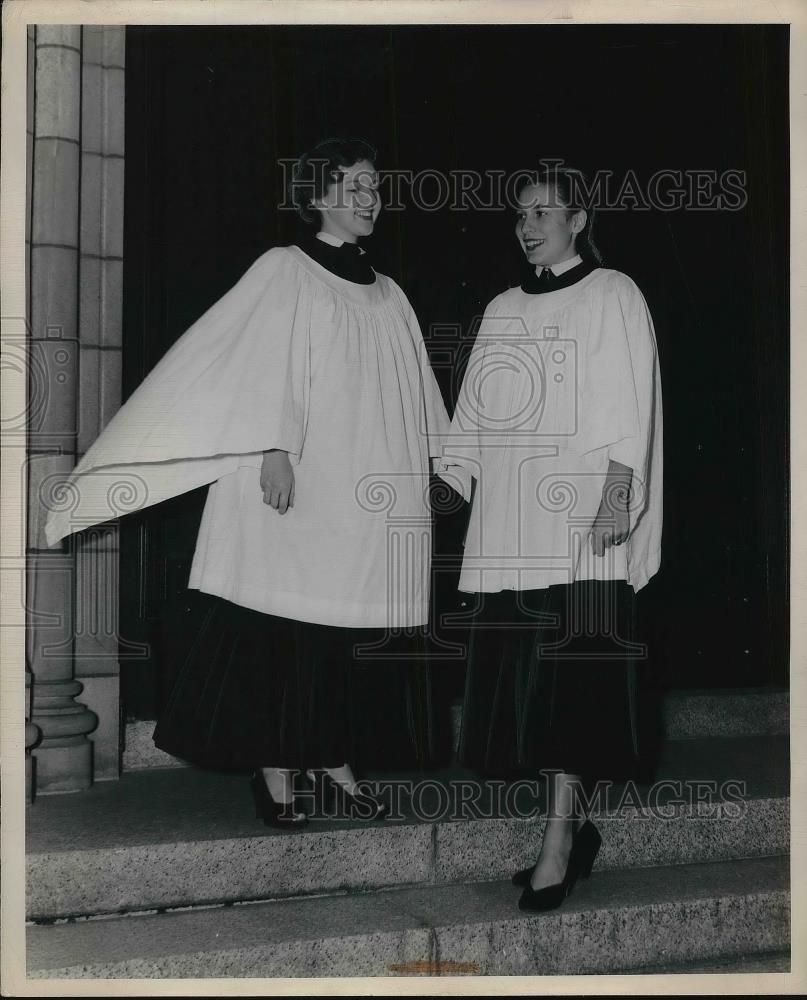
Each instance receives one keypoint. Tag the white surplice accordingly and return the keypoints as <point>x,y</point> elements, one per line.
<point>556,386</point>
<point>331,371</point>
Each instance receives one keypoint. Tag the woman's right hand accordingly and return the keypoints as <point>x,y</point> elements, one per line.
<point>277,480</point>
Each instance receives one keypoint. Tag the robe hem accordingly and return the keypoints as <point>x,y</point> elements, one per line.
<point>316,610</point>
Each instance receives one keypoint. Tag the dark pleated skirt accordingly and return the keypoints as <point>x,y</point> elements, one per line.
<point>552,682</point>
<point>256,690</point>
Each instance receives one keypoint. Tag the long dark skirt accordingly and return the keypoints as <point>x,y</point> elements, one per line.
<point>552,682</point>
<point>256,690</point>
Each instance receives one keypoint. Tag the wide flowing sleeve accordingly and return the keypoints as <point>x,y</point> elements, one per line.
<point>625,380</point>
<point>627,313</point>
<point>433,408</point>
<point>235,384</point>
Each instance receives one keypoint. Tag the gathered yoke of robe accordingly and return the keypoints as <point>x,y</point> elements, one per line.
<point>336,374</point>
<point>557,385</point>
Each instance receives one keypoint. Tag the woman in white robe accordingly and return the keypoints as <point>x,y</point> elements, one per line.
<point>305,398</point>
<point>556,440</point>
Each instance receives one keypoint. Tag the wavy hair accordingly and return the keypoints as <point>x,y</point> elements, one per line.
<point>318,168</point>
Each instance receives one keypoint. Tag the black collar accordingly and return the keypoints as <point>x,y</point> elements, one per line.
<point>344,261</point>
<point>531,285</point>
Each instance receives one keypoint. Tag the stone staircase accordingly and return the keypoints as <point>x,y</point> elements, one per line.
<point>167,874</point>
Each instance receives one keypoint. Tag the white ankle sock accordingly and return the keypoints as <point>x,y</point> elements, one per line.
<point>343,776</point>
<point>279,782</point>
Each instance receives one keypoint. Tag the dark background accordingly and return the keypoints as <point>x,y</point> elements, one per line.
<point>210,111</point>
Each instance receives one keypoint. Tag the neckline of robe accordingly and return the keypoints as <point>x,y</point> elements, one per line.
<point>376,295</point>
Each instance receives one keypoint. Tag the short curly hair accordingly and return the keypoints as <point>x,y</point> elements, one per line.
<point>316,169</point>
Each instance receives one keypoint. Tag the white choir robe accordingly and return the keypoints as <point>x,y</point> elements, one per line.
<point>557,385</point>
<point>333,372</point>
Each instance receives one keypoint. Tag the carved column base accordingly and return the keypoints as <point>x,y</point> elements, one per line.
<point>64,757</point>
<point>63,768</point>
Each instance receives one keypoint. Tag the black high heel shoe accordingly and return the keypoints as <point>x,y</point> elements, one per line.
<point>281,815</point>
<point>585,847</point>
<point>337,802</point>
<point>584,840</point>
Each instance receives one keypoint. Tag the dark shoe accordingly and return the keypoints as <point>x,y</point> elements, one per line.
<point>338,803</point>
<point>281,815</point>
<point>585,847</point>
<point>548,898</point>
<point>586,840</point>
<point>522,878</point>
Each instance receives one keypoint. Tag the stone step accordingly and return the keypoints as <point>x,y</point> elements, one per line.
<point>178,838</point>
<point>686,715</point>
<point>692,715</point>
<point>775,961</point>
<point>624,919</point>
<point>139,752</point>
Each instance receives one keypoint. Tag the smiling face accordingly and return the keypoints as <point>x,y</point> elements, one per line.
<point>546,229</point>
<point>351,205</point>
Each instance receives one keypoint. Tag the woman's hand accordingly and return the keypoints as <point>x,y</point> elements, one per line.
<point>609,528</point>
<point>612,523</point>
<point>277,480</point>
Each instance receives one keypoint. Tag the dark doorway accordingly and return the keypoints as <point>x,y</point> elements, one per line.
<point>210,113</point>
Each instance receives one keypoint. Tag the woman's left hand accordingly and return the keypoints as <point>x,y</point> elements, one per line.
<point>612,523</point>
<point>610,528</point>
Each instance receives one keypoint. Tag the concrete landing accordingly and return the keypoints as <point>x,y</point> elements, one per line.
<point>616,920</point>
<point>179,838</point>
<point>162,806</point>
<point>121,878</point>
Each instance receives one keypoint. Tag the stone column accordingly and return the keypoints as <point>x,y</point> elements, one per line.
<point>64,755</point>
<point>100,315</point>
<point>76,120</point>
